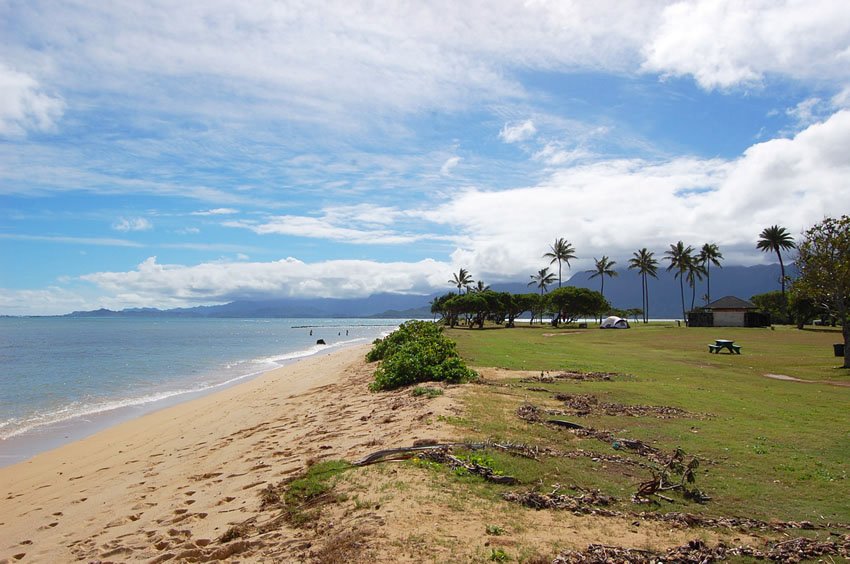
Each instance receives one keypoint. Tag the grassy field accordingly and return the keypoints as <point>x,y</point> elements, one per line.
<point>771,449</point>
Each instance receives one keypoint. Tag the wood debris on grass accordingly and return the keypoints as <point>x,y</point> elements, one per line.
<point>697,551</point>
<point>588,404</point>
<point>546,378</point>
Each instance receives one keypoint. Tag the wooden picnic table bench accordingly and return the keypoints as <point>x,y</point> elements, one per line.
<point>720,344</point>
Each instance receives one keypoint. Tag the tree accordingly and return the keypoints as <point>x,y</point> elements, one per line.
<point>823,259</point>
<point>603,269</point>
<point>644,262</point>
<point>461,279</point>
<point>695,273</point>
<point>480,287</point>
<point>570,303</point>
<point>771,303</point>
<point>560,250</point>
<point>776,239</point>
<point>542,279</point>
<point>708,255</point>
<point>680,258</point>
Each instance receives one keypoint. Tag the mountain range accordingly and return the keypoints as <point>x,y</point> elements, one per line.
<point>622,291</point>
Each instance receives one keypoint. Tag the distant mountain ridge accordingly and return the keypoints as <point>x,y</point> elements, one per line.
<point>622,291</point>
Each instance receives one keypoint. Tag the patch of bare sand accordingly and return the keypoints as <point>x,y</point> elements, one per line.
<point>787,378</point>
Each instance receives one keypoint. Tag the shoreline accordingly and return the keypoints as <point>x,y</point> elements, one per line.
<point>42,438</point>
<point>178,478</point>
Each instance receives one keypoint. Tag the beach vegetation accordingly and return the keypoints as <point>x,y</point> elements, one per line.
<point>560,251</point>
<point>603,267</point>
<point>644,262</point>
<point>426,391</point>
<point>571,303</point>
<point>461,279</point>
<point>681,262</point>
<point>417,351</point>
<point>708,255</point>
<point>823,259</point>
<point>776,239</point>
<point>303,495</point>
<point>542,280</point>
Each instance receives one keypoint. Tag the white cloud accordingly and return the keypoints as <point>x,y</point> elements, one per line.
<point>216,211</point>
<point>364,224</point>
<point>613,207</point>
<point>153,283</point>
<point>48,301</point>
<point>24,105</point>
<point>513,133</point>
<point>132,224</point>
<point>321,228</point>
<point>97,241</point>
<point>450,163</point>
<point>726,43</point>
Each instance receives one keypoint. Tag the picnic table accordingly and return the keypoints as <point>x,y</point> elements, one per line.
<point>720,344</point>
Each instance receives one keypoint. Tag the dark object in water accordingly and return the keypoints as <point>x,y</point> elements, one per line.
<point>321,342</point>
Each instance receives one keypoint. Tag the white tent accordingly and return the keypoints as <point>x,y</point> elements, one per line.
<point>614,322</point>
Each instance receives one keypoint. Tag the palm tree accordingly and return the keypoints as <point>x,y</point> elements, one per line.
<point>708,255</point>
<point>776,239</point>
<point>480,287</point>
<point>461,279</point>
<point>542,279</point>
<point>680,258</point>
<point>603,269</point>
<point>695,273</point>
<point>560,250</point>
<point>644,262</point>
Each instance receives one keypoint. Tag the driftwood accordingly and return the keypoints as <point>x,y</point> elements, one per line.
<point>403,453</point>
<point>440,453</point>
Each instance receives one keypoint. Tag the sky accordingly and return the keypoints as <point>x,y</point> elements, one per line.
<point>172,154</point>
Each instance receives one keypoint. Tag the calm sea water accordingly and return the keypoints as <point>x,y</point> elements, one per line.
<point>58,373</point>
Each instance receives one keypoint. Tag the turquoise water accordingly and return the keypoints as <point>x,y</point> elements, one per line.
<point>58,372</point>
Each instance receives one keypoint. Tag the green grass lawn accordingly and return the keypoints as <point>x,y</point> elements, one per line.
<point>775,449</point>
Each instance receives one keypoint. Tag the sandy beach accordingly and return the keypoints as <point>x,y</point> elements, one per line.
<point>167,485</point>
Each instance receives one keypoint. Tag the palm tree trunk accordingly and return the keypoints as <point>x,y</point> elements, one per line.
<point>559,273</point>
<point>693,293</point>
<point>682,292</point>
<point>782,281</point>
<point>646,311</point>
<point>708,280</point>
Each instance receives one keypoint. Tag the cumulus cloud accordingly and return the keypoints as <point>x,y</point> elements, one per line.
<point>24,105</point>
<point>729,43</point>
<point>513,133</point>
<point>132,224</point>
<point>613,207</point>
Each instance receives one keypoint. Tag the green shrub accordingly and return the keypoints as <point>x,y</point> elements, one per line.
<point>416,352</point>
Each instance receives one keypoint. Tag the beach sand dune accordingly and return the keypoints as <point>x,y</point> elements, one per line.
<point>169,484</point>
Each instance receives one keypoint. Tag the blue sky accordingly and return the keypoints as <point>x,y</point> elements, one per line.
<point>156,155</point>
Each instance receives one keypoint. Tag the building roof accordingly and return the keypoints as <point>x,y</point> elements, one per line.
<point>730,302</point>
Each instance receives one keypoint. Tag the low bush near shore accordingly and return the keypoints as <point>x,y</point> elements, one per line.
<point>416,352</point>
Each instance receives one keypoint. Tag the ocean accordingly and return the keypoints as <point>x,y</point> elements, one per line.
<point>62,379</point>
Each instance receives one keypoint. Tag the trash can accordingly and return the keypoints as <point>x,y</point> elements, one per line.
<point>838,348</point>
